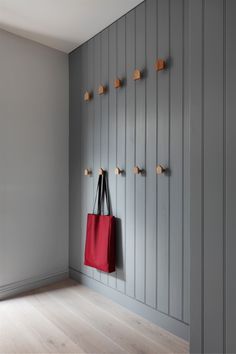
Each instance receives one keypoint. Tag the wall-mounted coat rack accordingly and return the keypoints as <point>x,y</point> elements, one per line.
<point>160,65</point>
<point>87,96</point>
<point>117,83</point>
<point>137,75</point>
<point>101,89</point>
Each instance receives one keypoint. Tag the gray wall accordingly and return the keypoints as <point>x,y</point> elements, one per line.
<point>33,162</point>
<point>144,123</point>
<point>213,175</point>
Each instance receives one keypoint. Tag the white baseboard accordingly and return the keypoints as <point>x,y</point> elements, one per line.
<point>172,325</point>
<point>18,287</point>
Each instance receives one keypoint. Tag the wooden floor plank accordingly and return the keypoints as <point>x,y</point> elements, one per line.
<point>120,334</point>
<point>73,326</point>
<point>35,331</point>
<point>142,326</point>
<point>69,318</point>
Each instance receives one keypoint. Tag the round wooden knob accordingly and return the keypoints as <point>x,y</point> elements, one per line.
<point>118,171</point>
<point>160,169</point>
<point>137,170</point>
<point>101,171</point>
<point>87,172</point>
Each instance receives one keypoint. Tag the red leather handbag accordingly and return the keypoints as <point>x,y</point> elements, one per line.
<point>100,236</point>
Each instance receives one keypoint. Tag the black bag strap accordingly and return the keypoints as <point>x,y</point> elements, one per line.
<point>102,196</point>
<point>105,194</point>
<point>98,197</point>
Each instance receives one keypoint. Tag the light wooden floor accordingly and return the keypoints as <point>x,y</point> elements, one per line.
<point>69,318</point>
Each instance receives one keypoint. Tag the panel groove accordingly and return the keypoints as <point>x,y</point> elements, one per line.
<point>157,129</point>
<point>224,63</point>
<point>183,148</point>
<point>202,175</point>
<point>134,83</point>
<point>116,124</point>
<point>169,110</point>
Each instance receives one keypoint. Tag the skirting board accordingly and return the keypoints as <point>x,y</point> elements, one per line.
<point>12,289</point>
<point>172,325</point>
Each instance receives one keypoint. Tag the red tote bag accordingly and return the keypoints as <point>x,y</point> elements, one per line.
<point>100,236</point>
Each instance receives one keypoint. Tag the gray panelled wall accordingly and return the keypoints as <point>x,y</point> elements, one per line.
<point>148,122</point>
<point>143,123</point>
<point>213,175</point>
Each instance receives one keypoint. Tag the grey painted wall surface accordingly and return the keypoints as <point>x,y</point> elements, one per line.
<point>33,161</point>
<point>213,172</point>
<point>143,123</point>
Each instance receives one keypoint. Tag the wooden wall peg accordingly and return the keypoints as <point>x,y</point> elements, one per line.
<point>101,89</point>
<point>101,171</point>
<point>160,65</point>
<point>117,83</point>
<point>87,96</point>
<point>87,172</point>
<point>118,171</point>
<point>137,74</point>
<point>160,169</point>
<point>137,170</point>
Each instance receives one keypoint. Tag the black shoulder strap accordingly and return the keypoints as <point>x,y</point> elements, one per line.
<point>98,197</point>
<point>105,194</point>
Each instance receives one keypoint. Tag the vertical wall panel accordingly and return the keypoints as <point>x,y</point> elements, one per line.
<point>196,171</point>
<point>163,159</point>
<point>212,218</point>
<point>186,171</point>
<point>97,119</point>
<point>85,137</point>
<point>80,152</point>
<point>76,94</point>
<point>151,97</point>
<point>230,178</point>
<point>90,131</point>
<point>130,154</point>
<point>140,155</point>
<point>112,125</point>
<point>104,112</point>
<point>121,126</point>
<point>213,171</point>
<point>176,157</point>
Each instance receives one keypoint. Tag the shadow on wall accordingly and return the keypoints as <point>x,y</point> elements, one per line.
<point>120,273</point>
<point>119,251</point>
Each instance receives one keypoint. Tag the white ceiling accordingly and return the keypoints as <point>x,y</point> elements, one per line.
<point>61,24</point>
